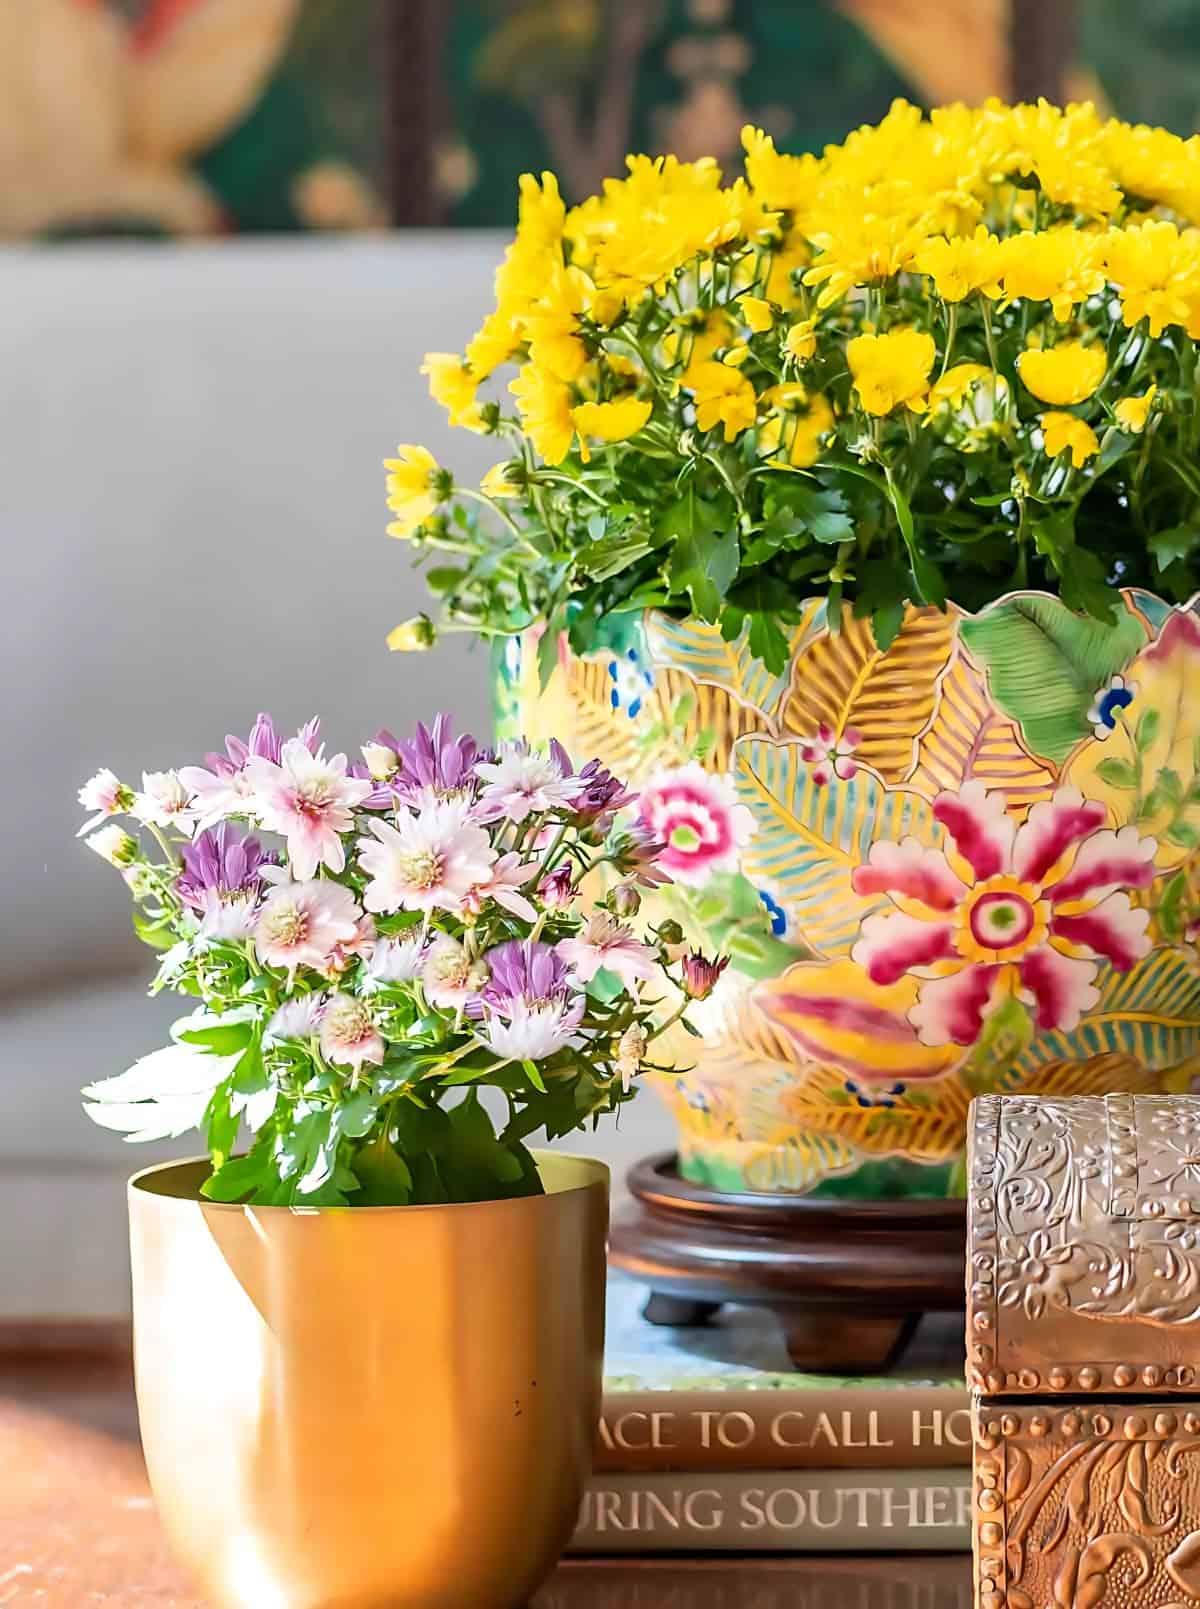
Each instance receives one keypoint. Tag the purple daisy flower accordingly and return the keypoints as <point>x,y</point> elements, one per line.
<point>219,862</point>
<point>602,795</point>
<point>528,1007</point>
<point>435,762</point>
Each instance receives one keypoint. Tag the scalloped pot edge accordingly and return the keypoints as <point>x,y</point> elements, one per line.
<point>971,862</point>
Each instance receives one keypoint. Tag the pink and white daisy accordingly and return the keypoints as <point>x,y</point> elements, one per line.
<point>340,957</point>
<point>310,800</point>
<point>696,816</point>
<point>522,782</point>
<point>829,755</point>
<point>221,788</point>
<point>428,861</point>
<point>1003,910</point>
<point>165,801</point>
<point>302,924</point>
<point>104,795</point>
<point>449,977</point>
<point>530,1006</point>
<point>113,844</point>
<point>509,876</point>
<point>531,1033</point>
<point>396,960</point>
<point>607,943</point>
<point>231,917</point>
<point>297,1019</point>
<point>348,1033</point>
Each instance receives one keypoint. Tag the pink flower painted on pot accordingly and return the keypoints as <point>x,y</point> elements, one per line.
<point>696,816</point>
<point>830,756</point>
<point>1004,909</point>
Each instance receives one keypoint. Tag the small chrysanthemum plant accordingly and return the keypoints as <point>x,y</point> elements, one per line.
<point>951,357</point>
<point>372,943</point>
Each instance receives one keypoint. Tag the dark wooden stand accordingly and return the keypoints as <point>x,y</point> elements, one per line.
<point>848,1279</point>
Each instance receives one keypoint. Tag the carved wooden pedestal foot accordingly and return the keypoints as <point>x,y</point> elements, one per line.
<point>848,1280</point>
<point>677,1311</point>
<point>850,1343</point>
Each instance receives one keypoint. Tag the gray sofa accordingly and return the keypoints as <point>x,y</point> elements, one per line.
<point>191,509</point>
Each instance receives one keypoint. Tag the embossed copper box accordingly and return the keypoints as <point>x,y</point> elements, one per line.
<point>1083,1351</point>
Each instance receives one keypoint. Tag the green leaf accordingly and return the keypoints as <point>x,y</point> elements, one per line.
<point>1117,773</point>
<point>356,1115</point>
<point>609,557</point>
<point>1045,663</point>
<point>1147,730</point>
<point>222,1039</point>
<point>221,1123</point>
<point>768,642</point>
<point>240,1176</point>
<point>156,934</point>
<point>1170,907</point>
<point>384,1179</point>
<point>821,510</point>
<point>443,578</point>
<point>1176,542</point>
<point>704,556</point>
<point>886,623</point>
<point>547,653</point>
<point>1183,834</point>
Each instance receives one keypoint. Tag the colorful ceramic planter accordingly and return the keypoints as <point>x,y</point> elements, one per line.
<point>967,863</point>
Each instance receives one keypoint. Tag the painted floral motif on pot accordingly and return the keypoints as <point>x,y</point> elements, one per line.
<point>969,862</point>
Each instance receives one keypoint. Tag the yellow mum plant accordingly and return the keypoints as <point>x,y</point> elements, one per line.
<point>952,356</point>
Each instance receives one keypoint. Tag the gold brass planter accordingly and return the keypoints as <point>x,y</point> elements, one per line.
<point>369,1408</point>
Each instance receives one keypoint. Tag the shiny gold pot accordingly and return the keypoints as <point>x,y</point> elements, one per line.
<point>369,1407</point>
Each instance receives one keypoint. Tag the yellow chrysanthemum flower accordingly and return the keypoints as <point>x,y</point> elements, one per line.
<point>786,261</point>
<point>891,370</point>
<point>1133,412</point>
<point>757,314</point>
<point>1063,432</point>
<point>610,421</point>
<point>1064,374</point>
<point>1156,269</point>
<point>722,396</point>
<point>544,404</point>
<point>799,422</point>
<point>1062,147</point>
<point>800,343</point>
<point>454,385</point>
<point>958,267</point>
<point>954,386</point>
<point>784,183</point>
<point>553,323</point>
<point>861,249</point>
<point>412,487</point>
<point>496,483</point>
<point>695,335</point>
<point>1060,266</point>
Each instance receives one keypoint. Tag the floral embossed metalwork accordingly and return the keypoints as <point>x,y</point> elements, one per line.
<point>1088,1211</point>
<point>1078,1508</point>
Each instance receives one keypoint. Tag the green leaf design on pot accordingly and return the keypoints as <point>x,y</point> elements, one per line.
<point>1044,664</point>
<point>810,838</point>
<point>1150,1014</point>
<point>701,652</point>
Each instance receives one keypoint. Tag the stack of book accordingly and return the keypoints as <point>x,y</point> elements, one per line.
<point>710,1441</point>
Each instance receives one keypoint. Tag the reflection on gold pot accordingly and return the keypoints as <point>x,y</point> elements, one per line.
<point>369,1407</point>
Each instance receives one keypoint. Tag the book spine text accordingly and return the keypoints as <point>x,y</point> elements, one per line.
<point>840,1429</point>
<point>823,1511</point>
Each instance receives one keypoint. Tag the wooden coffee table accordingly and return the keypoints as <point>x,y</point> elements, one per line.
<point>78,1528</point>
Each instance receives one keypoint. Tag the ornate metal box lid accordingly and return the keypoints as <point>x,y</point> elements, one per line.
<point>1083,1245</point>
